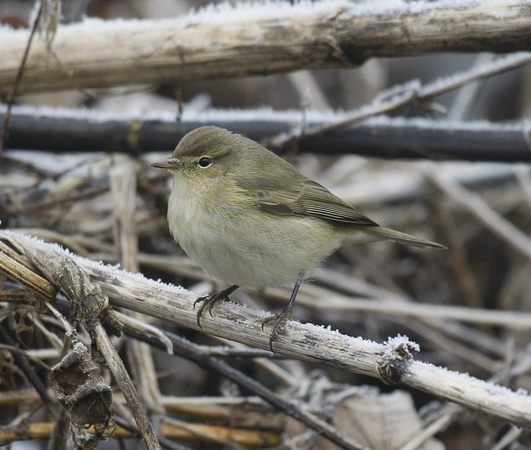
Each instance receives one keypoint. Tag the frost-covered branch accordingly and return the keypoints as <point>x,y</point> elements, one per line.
<point>259,39</point>
<point>382,137</point>
<point>391,362</point>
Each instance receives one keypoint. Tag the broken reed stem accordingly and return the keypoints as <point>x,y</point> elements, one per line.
<point>126,386</point>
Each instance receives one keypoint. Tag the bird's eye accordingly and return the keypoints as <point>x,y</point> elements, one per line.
<point>205,162</point>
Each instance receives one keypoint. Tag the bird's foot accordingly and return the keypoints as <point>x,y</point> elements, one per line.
<point>277,321</point>
<point>208,301</point>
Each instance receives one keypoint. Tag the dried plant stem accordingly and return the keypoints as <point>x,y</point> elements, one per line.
<point>477,206</point>
<point>445,418</point>
<point>260,41</point>
<point>120,373</point>
<point>240,436</point>
<point>123,189</point>
<point>395,306</point>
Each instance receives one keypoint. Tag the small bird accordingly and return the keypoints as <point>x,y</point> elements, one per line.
<point>250,218</point>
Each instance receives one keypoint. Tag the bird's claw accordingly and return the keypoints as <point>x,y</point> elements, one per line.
<point>277,321</point>
<point>208,301</point>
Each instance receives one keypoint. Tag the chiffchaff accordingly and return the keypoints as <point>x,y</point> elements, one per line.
<point>249,218</point>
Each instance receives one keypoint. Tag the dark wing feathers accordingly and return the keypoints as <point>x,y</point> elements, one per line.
<point>311,199</point>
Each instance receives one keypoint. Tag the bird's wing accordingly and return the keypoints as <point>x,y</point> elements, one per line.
<point>309,198</point>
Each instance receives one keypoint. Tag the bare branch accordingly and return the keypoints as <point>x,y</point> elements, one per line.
<point>259,40</point>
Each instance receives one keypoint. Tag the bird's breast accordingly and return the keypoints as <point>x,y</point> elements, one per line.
<point>236,242</point>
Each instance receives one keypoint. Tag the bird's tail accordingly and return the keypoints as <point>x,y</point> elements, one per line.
<point>381,233</point>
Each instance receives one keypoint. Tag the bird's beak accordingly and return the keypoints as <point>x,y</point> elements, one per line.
<point>170,164</point>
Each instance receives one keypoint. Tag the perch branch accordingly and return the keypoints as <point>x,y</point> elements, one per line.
<point>391,362</point>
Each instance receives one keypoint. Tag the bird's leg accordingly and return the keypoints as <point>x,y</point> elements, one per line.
<point>209,301</point>
<point>278,320</point>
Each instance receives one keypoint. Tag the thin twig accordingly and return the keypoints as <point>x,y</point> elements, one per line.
<point>412,92</point>
<point>29,372</point>
<point>18,79</point>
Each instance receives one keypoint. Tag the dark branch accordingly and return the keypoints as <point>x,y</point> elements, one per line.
<point>391,138</point>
